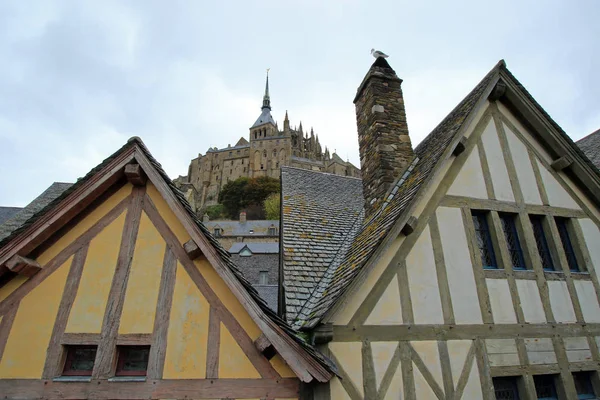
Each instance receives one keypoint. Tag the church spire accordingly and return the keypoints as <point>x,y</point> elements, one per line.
<point>266,98</point>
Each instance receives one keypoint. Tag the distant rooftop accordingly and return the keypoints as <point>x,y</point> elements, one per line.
<point>255,248</point>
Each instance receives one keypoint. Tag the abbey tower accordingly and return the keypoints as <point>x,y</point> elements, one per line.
<point>266,150</point>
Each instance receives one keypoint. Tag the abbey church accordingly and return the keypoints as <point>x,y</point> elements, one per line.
<point>268,149</point>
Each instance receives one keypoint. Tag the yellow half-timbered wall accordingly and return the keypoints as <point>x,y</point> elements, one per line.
<point>120,276</point>
<point>430,322</point>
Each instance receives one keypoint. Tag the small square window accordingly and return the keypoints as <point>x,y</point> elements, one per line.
<point>272,231</point>
<point>263,277</point>
<point>545,387</point>
<point>583,385</point>
<point>217,232</point>
<point>80,360</point>
<point>133,360</point>
<point>506,388</point>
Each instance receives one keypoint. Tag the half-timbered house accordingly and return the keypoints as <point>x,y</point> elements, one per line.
<point>465,268</point>
<point>115,290</point>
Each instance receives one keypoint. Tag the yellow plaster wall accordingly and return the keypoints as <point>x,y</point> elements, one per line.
<point>469,182</point>
<point>349,356</point>
<point>11,286</point>
<point>227,297</point>
<point>88,308</point>
<point>188,331</point>
<point>85,224</point>
<point>166,213</point>
<point>25,352</point>
<point>233,363</point>
<point>281,367</point>
<point>143,284</point>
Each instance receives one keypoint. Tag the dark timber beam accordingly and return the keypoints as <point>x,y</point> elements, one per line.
<point>561,163</point>
<point>23,266</point>
<point>323,334</point>
<point>265,347</point>
<point>409,226</point>
<point>460,146</point>
<point>498,91</point>
<point>192,249</point>
<point>135,175</point>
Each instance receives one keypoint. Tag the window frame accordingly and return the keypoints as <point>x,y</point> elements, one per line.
<point>554,378</point>
<point>540,221</point>
<point>563,226</point>
<point>69,358</point>
<point>512,219</point>
<point>515,382</point>
<point>119,371</point>
<point>262,274</point>
<point>483,216</point>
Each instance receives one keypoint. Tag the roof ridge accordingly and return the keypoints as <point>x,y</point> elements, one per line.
<point>320,172</point>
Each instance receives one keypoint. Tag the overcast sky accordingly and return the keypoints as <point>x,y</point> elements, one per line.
<point>78,78</point>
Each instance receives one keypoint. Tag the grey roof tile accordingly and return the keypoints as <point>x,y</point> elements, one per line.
<point>590,145</point>
<point>8,212</point>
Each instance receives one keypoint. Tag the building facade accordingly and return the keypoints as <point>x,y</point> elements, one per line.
<point>468,267</point>
<point>267,149</point>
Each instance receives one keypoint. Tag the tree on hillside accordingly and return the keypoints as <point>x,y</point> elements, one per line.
<point>244,192</point>
<point>272,206</point>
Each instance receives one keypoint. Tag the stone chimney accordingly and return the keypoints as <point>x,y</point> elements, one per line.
<point>383,140</point>
<point>243,217</point>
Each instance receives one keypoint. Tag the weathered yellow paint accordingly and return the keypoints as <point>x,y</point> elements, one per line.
<point>85,224</point>
<point>11,286</point>
<point>281,367</point>
<point>166,213</point>
<point>387,311</point>
<point>88,308</point>
<point>188,331</point>
<point>227,297</point>
<point>32,328</point>
<point>233,363</point>
<point>144,280</point>
<point>337,391</point>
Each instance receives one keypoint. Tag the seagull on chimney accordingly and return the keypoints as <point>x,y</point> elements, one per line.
<point>377,54</point>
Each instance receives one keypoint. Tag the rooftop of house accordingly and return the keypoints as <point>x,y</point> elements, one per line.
<point>590,145</point>
<point>20,217</point>
<point>321,258</point>
<point>255,248</point>
<point>320,212</point>
<point>268,294</point>
<point>8,212</point>
<point>248,228</point>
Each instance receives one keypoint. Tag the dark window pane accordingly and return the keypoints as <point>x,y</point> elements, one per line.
<point>541,242</point>
<point>80,360</point>
<point>544,387</point>
<point>506,388</point>
<point>583,385</point>
<point>515,251</point>
<point>133,360</point>
<point>484,240</point>
<point>565,238</point>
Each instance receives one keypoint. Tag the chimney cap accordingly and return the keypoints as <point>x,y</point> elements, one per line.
<point>380,69</point>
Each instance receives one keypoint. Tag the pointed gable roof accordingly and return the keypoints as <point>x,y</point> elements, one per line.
<point>437,147</point>
<point>590,145</point>
<point>305,361</point>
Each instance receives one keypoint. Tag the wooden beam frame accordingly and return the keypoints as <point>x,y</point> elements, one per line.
<point>135,175</point>
<point>561,163</point>
<point>23,266</point>
<point>192,249</point>
<point>461,145</point>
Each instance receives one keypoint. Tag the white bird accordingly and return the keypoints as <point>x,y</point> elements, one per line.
<point>377,54</point>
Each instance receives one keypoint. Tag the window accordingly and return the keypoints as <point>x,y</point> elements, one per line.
<point>537,222</point>
<point>263,277</point>
<point>545,387</point>
<point>567,244</point>
<point>80,360</point>
<point>217,232</point>
<point>262,166</point>
<point>506,388</point>
<point>484,239</point>
<point>509,226</point>
<point>272,231</point>
<point>132,361</point>
<point>583,385</point>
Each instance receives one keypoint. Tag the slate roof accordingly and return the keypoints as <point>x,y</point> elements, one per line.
<point>8,212</point>
<point>237,228</point>
<point>269,294</point>
<point>590,145</point>
<point>225,256</point>
<point>319,211</point>
<point>255,248</point>
<point>370,233</point>
<point>264,118</point>
<point>20,218</point>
